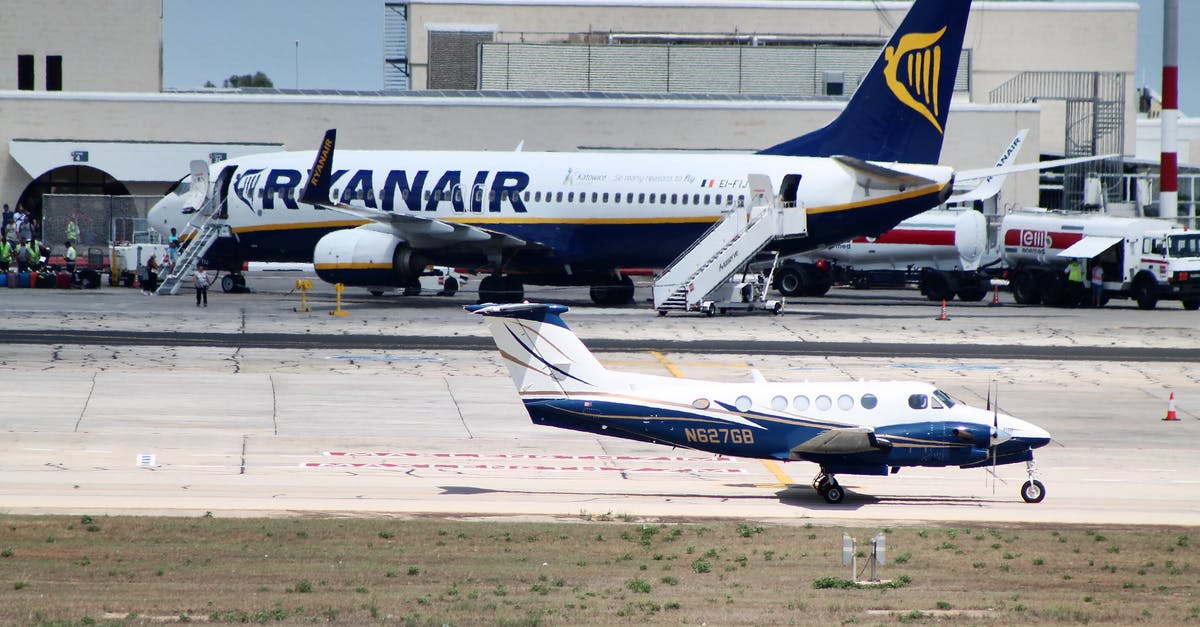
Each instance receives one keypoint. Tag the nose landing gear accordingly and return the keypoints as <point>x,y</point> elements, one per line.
<point>1032,491</point>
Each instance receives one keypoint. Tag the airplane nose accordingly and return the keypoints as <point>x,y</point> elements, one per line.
<point>160,215</point>
<point>1027,433</point>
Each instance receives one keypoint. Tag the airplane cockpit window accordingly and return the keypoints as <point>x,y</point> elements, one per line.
<point>868,401</point>
<point>181,188</point>
<point>800,403</point>
<point>824,403</point>
<point>845,402</point>
<point>944,398</point>
<point>779,403</point>
<point>918,401</point>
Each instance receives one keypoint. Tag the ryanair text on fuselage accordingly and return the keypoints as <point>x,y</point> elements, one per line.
<point>487,191</point>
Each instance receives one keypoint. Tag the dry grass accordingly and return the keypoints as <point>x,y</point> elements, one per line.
<point>58,570</point>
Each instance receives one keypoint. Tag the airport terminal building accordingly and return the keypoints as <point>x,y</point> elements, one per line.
<point>83,109</point>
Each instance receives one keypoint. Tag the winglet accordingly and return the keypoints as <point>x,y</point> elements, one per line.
<point>316,192</point>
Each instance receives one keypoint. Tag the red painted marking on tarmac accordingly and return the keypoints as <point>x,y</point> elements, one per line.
<point>530,456</point>
<point>539,468</point>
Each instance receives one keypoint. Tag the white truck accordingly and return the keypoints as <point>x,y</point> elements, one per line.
<point>1145,259</point>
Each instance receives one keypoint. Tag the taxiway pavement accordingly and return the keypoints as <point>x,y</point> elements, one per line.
<point>317,427</point>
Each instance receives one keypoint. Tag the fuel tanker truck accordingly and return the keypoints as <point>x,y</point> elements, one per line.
<point>1145,259</point>
<point>946,253</point>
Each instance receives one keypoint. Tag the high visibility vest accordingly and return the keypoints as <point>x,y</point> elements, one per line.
<point>71,254</point>
<point>1075,274</point>
<point>5,251</point>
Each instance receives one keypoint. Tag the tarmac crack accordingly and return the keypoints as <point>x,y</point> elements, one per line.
<point>86,402</point>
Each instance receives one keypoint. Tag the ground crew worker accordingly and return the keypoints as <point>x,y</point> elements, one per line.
<point>23,256</point>
<point>1075,272</point>
<point>70,256</point>
<point>1097,285</point>
<point>6,255</point>
<point>72,231</point>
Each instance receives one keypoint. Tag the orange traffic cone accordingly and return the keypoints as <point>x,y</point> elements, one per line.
<point>995,295</point>
<point>943,316</point>
<point>1171,408</point>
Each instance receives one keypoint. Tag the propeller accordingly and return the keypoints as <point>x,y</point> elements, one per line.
<point>997,436</point>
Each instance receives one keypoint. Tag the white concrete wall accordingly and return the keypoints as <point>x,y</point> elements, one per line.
<point>975,135</point>
<point>105,45</point>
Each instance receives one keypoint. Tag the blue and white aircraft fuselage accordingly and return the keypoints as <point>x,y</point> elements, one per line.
<point>848,427</point>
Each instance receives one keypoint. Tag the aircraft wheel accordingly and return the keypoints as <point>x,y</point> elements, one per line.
<point>1033,491</point>
<point>228,284</point>
<point>450,287</point>
<point>833,494</point>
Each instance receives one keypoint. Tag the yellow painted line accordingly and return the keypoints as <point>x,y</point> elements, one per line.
<point>774,469</point>
<point>770,465</point>
<point>662,359</point>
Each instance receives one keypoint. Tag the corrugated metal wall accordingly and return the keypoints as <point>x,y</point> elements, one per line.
<point>787,70</point>
<point>454,58</point>
<point>395,45</point>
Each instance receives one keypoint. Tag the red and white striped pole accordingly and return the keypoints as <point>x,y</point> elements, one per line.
<point>1168,198</point>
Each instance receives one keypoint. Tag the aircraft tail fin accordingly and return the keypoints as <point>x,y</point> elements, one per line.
<point>899,111</point>
<point>316,189</point>
<point>542,354</point>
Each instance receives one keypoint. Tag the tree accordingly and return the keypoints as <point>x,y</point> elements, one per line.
<point>258,79</point>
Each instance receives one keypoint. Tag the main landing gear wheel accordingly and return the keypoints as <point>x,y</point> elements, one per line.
<point>233,283</point>
<point>827,486</point>
<point>501,289</point>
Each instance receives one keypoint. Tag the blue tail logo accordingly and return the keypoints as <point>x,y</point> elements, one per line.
<point>899,111</point>
<point>922,58</point>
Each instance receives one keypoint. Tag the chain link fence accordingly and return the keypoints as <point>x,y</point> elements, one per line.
<point>99,220</point>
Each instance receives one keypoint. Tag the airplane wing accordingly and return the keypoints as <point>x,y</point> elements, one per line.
<point>967,175</point>
<point>871,176</point>
<point>842,441</point>
<point>405,226</point>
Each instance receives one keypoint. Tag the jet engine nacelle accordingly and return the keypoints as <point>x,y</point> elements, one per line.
<point>366,257</point>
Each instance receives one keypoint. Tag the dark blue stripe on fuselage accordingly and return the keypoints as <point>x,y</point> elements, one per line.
<point>582,246</point>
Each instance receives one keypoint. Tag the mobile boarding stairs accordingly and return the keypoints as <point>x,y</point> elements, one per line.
<point>702,279</point>
<point>202,231</point>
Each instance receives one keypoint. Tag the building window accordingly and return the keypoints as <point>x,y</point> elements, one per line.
<point>25,72</point>
<point>54,79</point>
<point>835,83</point>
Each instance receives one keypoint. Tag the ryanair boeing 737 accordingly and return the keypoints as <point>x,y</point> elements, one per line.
<point>376,218</point>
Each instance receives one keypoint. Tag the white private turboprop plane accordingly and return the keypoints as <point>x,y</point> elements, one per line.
<point>575,218</point>
<point>851,427</point>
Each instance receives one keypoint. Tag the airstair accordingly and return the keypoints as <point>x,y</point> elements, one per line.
<point>691,281</point>
<point>201,232</point>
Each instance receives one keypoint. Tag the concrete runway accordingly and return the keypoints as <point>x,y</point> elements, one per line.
<point>342,430</point>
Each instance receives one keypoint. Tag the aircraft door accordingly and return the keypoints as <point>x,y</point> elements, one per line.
<point>224,180</point>
<point>787,189</point>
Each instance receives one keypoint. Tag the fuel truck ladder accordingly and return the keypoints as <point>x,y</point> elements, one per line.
<point>725,248</point>
<point>204,229</point>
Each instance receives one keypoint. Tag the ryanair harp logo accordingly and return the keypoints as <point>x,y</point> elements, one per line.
<point>916,83</point>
